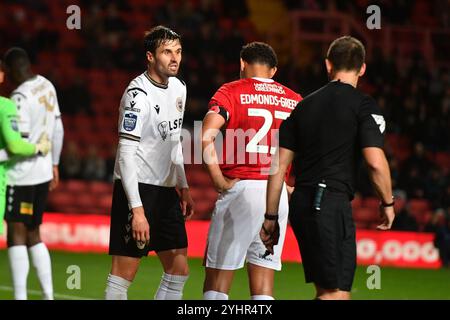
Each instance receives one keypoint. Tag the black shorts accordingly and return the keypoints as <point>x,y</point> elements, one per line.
<point>163,212</point>
<point>26,204</point>
<point>326,238</point>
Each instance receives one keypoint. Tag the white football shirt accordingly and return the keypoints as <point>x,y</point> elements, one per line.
<point>38,109</point>
<point>152,114</point>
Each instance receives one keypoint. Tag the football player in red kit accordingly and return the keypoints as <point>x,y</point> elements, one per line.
<point>249,112</point>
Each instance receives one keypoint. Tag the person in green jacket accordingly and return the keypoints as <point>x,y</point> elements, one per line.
<point>12,144</point>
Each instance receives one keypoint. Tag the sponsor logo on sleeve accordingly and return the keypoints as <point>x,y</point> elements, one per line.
<point>129,121</point>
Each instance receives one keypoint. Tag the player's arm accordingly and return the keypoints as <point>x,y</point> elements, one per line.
<point>57,145</point>
<point>187,204</point>
<point>371,126</point>
<point>212,123</point>
<point>15,145</point>
<point>130,128</point>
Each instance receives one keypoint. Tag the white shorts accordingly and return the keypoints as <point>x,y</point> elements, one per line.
<point>233,236</point>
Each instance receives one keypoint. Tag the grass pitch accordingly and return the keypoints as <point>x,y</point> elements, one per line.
<point>289,283</point>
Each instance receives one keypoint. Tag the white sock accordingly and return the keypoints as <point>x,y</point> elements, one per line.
<point>214,295</point>
<point>262,297</point>
<point>116,288</point>
<point>19,265</point>
<point>171,287</point>
<point>40,258</point>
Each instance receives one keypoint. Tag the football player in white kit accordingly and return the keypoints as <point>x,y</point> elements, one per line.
<point>147,213</point>
<point>30,179</point>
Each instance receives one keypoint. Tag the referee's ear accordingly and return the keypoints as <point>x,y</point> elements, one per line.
<point>329,66</point>
<point>362,70</point>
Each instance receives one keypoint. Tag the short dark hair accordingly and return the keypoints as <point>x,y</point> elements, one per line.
<point>158,35</point>
<point>259,52</point>
<point>346,53</point>
<point>16,58</point>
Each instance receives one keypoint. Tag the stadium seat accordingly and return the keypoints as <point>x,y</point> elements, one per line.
<point>418,206</point>
<point>366,215</point>
<point>76,186</point>
<point>371,203</point>
<point>100,188</point>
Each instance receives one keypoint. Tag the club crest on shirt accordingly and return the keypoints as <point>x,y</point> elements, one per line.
<point>14,125</point>
<point>163,129</point>
<point>179,104</point>
<point>129,121</point>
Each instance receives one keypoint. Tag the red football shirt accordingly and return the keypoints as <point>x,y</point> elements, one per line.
<point>255,109</point>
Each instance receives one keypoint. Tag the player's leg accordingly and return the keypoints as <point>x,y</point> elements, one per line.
<point>168,238</point>
<point>228,240</point>
<point>122,274</point>
<point>261,267</point>
<point>39,254</point>
<point>176,273</point>
<point>261,281</point>
<point>125,252</point>
<point>19,210</point>
<point>217,284</point>
<point>18,258</point>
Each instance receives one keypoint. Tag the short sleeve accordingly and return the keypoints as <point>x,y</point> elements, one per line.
<point>222,100</point>
<point>371,124</point>
<point>288,128</point>
<point>134,114</point>
<point>24,121</point>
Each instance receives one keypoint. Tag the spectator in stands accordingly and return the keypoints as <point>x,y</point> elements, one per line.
<point>76,98</point>
<point>110,162</point>
<point>404,220</point>
<point>94,166</point>
<point>442,236</point>
<point>71,162</point>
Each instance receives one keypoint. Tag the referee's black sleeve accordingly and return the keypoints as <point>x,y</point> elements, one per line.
<point>371,124</point>
<point>287,132</point>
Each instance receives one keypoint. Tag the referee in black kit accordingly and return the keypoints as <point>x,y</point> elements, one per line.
<point>325,137</point>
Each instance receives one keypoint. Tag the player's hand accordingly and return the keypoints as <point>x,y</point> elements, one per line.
<point>140,226</point>
<point>43,145</point>
<point>270,234</point>
<point>225,184</point>
<point>290,191</point>
<point>187,204</point>
<point>55,181</point>
<point>387,218</point>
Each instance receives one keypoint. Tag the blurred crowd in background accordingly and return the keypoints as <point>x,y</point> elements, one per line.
<point>91,67</point>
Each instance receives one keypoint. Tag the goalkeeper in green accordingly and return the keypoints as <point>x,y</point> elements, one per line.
<point>12,145</point>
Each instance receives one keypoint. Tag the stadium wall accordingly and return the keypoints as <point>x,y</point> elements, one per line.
<point>90,233</point>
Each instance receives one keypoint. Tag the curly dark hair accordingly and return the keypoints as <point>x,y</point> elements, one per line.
<point>259,52</point>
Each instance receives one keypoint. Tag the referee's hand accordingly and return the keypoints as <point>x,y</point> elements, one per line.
<point>387,218</point>
<point>140,226</point>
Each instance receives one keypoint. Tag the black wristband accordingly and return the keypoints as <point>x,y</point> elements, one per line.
<point>268,216</point>
<point>385,205</point>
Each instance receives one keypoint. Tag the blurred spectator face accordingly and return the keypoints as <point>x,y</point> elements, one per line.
<point>167,58</point>
<point>399,204</point>
<point>419,149</point>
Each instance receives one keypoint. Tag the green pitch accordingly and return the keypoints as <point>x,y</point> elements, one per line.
<point>289,283</point>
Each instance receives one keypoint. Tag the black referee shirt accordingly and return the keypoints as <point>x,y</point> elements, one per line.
<point>327,131</point>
